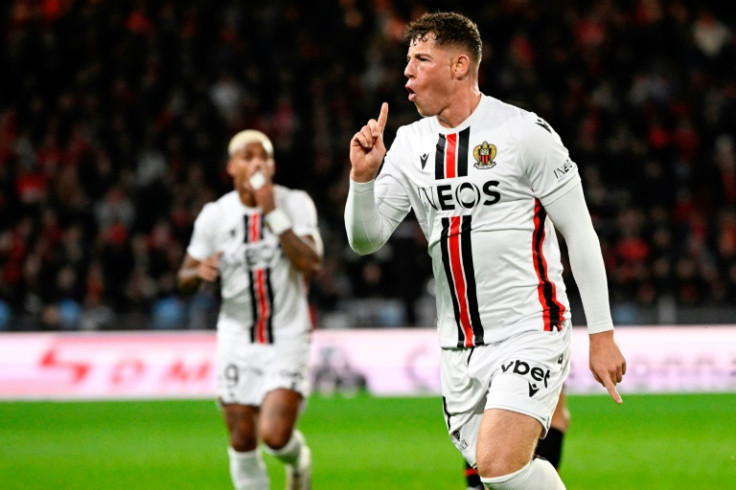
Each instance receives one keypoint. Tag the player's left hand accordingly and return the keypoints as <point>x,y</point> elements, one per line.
<point>607,363</point>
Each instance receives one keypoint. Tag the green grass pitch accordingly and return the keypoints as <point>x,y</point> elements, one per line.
<point>650,442</point>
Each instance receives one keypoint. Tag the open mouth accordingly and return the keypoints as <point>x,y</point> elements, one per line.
<point>412,95</point>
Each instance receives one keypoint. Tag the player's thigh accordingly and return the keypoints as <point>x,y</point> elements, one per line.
<point>286,385</point>
<point>523,375</point>
<point>527,374</point>
<point>459,395</point>
<point>506,441</point>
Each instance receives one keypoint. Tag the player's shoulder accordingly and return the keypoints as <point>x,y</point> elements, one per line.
<point>410,139</point>
<point>227,200</point>
<point>213,212</point>
<point>297,203</point>
<point>526,126</point>
<point>282,190</point>
<point>291,196</point>
<point>509,113</point>
<point>423,126</point>
<point>524,118</point>
<point>223,204</point>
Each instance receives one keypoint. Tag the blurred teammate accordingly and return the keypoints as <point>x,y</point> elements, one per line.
<point>262,241</point>
<point>488,183</point>
<point>549,448</point>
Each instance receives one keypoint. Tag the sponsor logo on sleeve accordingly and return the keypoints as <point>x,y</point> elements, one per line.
<point>564,169</point>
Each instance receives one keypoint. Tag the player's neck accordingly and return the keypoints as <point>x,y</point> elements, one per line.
<point>247,198</point>
<point>460,109</point>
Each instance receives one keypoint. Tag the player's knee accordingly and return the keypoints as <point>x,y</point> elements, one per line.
<point>506,481</point>
<point>242,441</point>
<point>499,464</point>
<point>538,473</point>
<point>276,439</point>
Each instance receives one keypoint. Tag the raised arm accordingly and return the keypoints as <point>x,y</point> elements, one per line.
<point>369,220</point>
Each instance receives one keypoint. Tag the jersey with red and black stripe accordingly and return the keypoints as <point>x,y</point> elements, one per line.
<point>478,192</point>
<point>261,292</point>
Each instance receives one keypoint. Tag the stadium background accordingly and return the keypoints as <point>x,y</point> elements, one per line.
<point>114,118</point>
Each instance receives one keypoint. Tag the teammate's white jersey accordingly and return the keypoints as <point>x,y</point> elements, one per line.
<point>261,291</point>
<point>478,192</point>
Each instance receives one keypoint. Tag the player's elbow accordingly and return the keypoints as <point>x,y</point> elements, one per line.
<point>362,244</point>
<point>188,283</point>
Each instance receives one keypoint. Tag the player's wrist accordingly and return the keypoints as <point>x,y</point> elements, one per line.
<point>362,177</point>
<point>278,221</point>
<point>362,187</point>
<point>596,328</point>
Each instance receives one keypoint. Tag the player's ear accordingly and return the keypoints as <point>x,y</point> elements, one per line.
<point>230,167</point>
<point>460,65</point>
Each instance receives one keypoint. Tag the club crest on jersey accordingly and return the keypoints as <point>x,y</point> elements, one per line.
<point>484,155</point>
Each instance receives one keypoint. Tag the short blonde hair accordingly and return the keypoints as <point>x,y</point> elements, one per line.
<point>246,137</point>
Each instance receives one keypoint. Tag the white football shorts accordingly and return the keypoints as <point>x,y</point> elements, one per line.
<point>246,372</point>
<point>523,374</point>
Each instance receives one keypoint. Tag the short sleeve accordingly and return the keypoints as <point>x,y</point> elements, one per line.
<point>202,243</point>
<point>303,213</point>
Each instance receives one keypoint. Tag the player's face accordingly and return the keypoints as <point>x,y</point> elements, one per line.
<point>251,159</point>
<point>429,76</point>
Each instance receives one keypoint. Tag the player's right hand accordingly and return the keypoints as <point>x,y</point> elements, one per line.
<point>264,192</point>
<point>367,148</point>
<point>209,268</point>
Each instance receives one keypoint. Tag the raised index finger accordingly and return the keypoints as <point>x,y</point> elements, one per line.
<point>383,116</point>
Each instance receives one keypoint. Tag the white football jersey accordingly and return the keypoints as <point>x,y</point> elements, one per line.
<point>478,192</point>
<point>261,291</point>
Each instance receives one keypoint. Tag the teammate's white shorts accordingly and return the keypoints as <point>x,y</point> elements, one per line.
<point>523,374</point>
<point>246,372</point>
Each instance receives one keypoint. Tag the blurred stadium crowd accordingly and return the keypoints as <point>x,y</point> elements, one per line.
<point>115,116</point>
